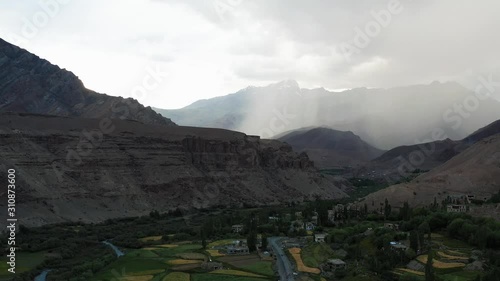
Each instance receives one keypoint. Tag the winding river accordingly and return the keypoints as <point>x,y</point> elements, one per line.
<point>42,275</point>
<point>117,251</point>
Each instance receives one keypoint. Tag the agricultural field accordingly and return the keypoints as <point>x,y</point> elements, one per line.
<point>451,257</point>
<point>295,252</point>
<point>249,263</point>
<point>177,276</point>
<point>315,254</point>
<point>182,262</point>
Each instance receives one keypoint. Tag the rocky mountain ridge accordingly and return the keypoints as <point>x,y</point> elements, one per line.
<point>33,85</point>
<point>67,171</point>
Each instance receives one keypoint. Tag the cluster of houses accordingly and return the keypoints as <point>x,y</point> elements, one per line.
<point>335,216</point>
<point>300,223</point>
<point>339,212</point>
<point>458,203</point>
<point>237,247</point>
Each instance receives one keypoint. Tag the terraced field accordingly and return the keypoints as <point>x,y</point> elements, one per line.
<point>182,262</point>
<point>452,256</point>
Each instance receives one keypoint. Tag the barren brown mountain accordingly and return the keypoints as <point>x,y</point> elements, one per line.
<point>68,170</point>
<point>33,85</point>
<point>331,148</point>
<point>403,160</point>
<point>475,172</point>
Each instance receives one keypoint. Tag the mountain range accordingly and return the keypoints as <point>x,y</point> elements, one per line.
<point>384,118</point>
<point>81,155</point>
<point>78,159</point>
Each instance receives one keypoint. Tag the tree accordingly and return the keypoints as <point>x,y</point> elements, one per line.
<point>154,214</point>
<point>264,242</point>
<point>414,240</point>
<point>424,228</point>
<point>435,205</point>
<point>165,238</point>
<point>429,270</point>
<point>252,241</point>
<point>405,212</point>
<point>387,209</point>
<point>203,239</point>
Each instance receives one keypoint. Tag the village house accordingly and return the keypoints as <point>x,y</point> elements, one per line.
<point>296,225</point>
<point>339,208</point>
<point>314,219</point>
<point>237,228</point>
<point>274,219</point>
<point>291,243</point>
<point>320,237</point>
<point>211,266</point>
<point>331,216</point>
<point>398,247</point>
<point>237,250</point>
<point>310,226</point>
<point>393,226</point>
<point>298,215</point>
<point>456,208</point>
<point>332,265</point>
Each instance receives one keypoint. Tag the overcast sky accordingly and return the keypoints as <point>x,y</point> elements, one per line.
<point>210,48</point>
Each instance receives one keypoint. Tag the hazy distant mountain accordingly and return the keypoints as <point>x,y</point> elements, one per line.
<point>385,118</point>
<point>331,148</point>
<point>33,85</point>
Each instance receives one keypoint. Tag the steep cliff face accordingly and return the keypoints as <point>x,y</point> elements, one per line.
<point>71,169</point>
<point>33,85</point>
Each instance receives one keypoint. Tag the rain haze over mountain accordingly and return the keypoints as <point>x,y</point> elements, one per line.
<point>201,49</point>
<point>213,48</point>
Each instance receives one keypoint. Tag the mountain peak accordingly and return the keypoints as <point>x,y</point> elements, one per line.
<point>31,84</point>
<point>286,84</point>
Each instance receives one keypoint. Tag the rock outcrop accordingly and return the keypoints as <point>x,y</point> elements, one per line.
<point>33,85</point>
<point>77,169</point>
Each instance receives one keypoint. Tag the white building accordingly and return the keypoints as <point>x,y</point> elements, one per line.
<point>320,237</point>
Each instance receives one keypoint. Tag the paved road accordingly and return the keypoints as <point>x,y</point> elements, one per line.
<point>285,267</point>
